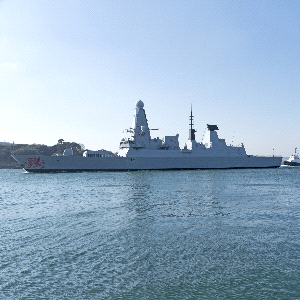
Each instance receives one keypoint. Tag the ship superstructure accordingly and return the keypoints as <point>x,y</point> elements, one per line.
<point>141,140</point>
<point>141,152</point>
<point>294,160</point>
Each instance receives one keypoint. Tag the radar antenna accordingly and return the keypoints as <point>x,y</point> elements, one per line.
<point>192,130</point>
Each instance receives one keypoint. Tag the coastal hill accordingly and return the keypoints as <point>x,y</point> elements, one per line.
<point>6,150</point>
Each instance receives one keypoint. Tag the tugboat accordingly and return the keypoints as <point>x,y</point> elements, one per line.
<point>142,152</point>
<point>294,160</point>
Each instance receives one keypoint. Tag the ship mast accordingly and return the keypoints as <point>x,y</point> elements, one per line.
<point>192,130</point>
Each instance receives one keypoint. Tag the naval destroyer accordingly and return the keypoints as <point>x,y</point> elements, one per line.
<point>141,152</point>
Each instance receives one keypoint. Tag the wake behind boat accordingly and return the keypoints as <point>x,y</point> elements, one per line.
<point>141,152</point>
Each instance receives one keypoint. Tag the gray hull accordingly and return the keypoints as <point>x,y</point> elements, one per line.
<point>141,152</point>
<point>42,163</point>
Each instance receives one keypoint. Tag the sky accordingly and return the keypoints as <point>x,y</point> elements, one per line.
<point>75,70</point>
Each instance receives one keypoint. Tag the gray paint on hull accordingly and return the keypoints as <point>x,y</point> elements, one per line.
<point>137,170</point>
<point>75,164</point>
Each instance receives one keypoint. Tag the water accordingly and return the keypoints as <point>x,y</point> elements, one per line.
<point>217,234</point>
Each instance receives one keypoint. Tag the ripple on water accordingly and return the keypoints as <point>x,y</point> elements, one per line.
<point>150,235</point>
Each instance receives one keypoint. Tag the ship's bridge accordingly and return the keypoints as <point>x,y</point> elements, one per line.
<point>140,134</point>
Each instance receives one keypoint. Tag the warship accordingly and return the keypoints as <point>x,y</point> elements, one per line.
<point>142,152</point>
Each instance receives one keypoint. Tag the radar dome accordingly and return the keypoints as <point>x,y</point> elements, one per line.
<point>140,104</point>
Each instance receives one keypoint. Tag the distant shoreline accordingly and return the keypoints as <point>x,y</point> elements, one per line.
<point>10,167</point>
<point>6,150</point>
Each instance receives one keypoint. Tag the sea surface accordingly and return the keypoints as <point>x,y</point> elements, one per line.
<point>205,234</point>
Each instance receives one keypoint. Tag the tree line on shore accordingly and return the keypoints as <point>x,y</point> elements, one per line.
<point>7,162</point>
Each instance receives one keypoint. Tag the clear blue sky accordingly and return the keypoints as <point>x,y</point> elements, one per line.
<point>75,69</point>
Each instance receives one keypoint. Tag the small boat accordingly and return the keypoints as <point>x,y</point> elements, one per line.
<point>294,159</point>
